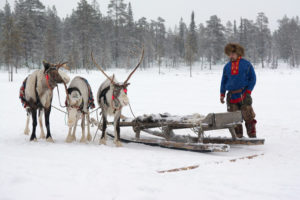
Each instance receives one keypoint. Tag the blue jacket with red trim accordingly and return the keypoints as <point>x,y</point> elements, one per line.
<point>244,78</point>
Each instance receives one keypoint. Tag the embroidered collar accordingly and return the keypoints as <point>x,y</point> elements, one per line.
<point>235,66</point>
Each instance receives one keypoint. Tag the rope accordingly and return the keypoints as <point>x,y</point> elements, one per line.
<point>59,109</point>
<point>95,110</point>
<point>59,98</point>
<point>131,111</point>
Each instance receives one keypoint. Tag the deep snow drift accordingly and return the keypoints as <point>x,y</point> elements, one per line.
<point>40,170</point>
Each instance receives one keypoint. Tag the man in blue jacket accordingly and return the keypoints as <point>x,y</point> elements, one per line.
<point>239,80</point>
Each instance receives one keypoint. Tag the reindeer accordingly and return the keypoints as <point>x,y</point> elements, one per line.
<point>36,94</point>
<point>112,97</point>
<point>79,101</point>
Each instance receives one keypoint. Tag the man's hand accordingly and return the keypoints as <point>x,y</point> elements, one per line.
<point>222,99</point>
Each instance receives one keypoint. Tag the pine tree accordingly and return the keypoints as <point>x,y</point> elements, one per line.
<point>191,45</point>
<point>52,50</point>
<point>215,39</point>
<point>202,43</point>
<point>30,19</point>
<point>182,31</point>
<point>117,12</point>
<point>85,28</point>
<point>288,40</point>
<point>264,36</point>
<point>10,43</point>
<point>160,34</point>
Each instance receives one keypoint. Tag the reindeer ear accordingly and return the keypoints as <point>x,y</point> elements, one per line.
<point>46,65</point>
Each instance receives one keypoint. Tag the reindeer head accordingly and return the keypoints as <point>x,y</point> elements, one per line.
<point>119,90</point>
<point>54,75</point>
<point>74,102</point>
<point>119,93</point>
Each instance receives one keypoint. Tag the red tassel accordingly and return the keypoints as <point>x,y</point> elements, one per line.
<point>113,97</point>
<point>47,77</point>
<point>125,90</point>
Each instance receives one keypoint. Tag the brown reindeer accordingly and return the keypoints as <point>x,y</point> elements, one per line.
<point>36,94</point>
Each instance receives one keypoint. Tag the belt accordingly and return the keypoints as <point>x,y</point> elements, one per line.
<point>236,91</point>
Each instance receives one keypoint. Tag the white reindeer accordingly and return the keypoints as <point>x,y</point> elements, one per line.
<point>79,101</point>
<point>112,97</point>
<point>36,94</point>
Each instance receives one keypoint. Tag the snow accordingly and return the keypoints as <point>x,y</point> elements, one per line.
<point>41,170</point>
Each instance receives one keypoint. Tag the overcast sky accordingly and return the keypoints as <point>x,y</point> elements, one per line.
<point>172,10</point>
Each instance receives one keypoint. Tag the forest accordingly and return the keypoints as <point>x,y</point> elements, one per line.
<point>31,32</point>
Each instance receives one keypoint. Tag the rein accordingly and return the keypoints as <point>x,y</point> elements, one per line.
<point>67,94</point>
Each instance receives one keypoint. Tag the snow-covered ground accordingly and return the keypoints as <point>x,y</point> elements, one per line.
<point>40,170</point>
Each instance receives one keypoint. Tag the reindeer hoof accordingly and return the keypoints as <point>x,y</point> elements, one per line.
<point>69,139</point>
<point>118,143</point>
<point>103,141</point>
<point>82,140</point>
<point>42,136</point>
<point>33,140</point>
<point>49,139</point>
<point>89,137</point>
<point>26,131</point>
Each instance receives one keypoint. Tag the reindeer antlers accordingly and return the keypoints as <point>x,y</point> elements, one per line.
<point>141,59</point>
<point>100,68</point>
<point>63,65</point>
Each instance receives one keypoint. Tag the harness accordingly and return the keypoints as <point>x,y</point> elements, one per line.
<point>22,93</point>
<point>103,95</point>
<point>91,104</point>
<point>38,102</point>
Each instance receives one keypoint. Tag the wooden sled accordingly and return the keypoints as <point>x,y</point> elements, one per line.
<point>199,124</point>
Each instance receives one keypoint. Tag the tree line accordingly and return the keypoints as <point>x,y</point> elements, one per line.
<point>31,32</point>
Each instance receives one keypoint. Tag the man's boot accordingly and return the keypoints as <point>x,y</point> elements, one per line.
<point>251,129</point>
<point>239,131</point>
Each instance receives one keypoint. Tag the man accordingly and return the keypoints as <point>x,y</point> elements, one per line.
<point>239,80</point>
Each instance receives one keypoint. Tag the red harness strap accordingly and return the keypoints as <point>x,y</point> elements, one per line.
<point>47,81</point>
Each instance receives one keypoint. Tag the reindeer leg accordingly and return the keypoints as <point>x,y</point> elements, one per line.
<point>73,137</point>
<point>89,136</point>
<point>27,130</point>
<point>69,138</point>
<point>103,136</point>
<point>117,130</point>
<point>42,135</point>
<point>83,140</point>
<point>34,123</point>
<point>47,116</point>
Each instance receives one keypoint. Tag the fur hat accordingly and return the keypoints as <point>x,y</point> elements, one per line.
<point>234,48</point>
